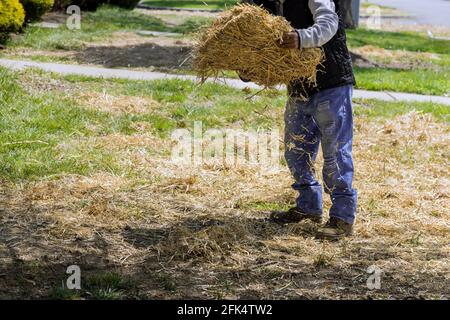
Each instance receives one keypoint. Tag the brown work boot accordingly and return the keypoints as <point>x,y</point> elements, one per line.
<point>293,215</point>
<point>334,229</point>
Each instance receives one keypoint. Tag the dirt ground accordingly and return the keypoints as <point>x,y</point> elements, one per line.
<point>134,51</point>
<point>201,232</point>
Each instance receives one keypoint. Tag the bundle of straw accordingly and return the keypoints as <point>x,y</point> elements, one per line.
<point>245,39</point>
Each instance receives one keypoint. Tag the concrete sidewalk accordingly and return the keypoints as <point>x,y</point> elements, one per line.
<point>66,69</point>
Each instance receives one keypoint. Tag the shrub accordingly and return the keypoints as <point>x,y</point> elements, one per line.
<point>61,4</point>
<point>127,4</point>
<point>12,17</point>
<point>89,5</point>
<point>35,9</point>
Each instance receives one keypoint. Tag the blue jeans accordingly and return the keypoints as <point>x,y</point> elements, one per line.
<point>326,118</point>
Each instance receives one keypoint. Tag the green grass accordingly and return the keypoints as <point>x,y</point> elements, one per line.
<point>192,4</point>
<point>420,81</point>
<point>35,127</point>
<point>102,286</point>
<point>219,105</point>
<point>185,102</point>
<point>365,5</point>
<point>385,109</point>
<point>45,134</point>
<point>59,293</point>
<point>192,24</point>
<point>409,41</point>
<point>99,26</point>
<point>95,26</point>
<point>166,281</point>
<point>107,286</point>
<point>222,4</point>
<point>266,206</point>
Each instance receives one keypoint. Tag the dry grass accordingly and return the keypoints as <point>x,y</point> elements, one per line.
<point>245,39</point>
<point>211,242</point>
<point>201,227</point>
<point>395,26</point>
<point>36,82</point>
<point>27,53</point>
<point>176,17</point>
<point>131,39</point>
<point>117,104</point>
<point>398,58</point>
<point>77,203</point>
<point>372,51</point>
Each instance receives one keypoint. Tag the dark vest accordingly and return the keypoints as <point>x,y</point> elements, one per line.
<point>336,70</point>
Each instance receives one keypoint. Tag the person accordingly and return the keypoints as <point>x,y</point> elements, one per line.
<point>324,118</point>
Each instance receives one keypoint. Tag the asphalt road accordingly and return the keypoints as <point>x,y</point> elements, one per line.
<point>434,12</point>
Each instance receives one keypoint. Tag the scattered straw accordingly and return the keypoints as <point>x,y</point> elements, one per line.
<point>207,243</point>
<point>204,227</point>
<point>118,104</point>
<point>246,39</point>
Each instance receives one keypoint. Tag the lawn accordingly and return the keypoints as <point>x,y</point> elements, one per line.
<point>97,27</point>
<point>192,4</point>
<point>87,179</point>
<point>384,10</point>
<point>408,41</point>
<point>425,74</point>
<point>410,62</point>
<point>430,82</point>
<point>222,4</point>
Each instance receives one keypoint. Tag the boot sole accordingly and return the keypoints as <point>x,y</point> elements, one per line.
<point>315,220</point>
<point>332,238</point>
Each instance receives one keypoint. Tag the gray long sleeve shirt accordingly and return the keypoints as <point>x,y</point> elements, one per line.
<point>326,22</point>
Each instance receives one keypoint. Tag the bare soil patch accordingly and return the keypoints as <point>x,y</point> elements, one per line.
<point>138,52</point>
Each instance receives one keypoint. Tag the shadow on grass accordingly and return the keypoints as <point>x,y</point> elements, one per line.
<point>34,262</point>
